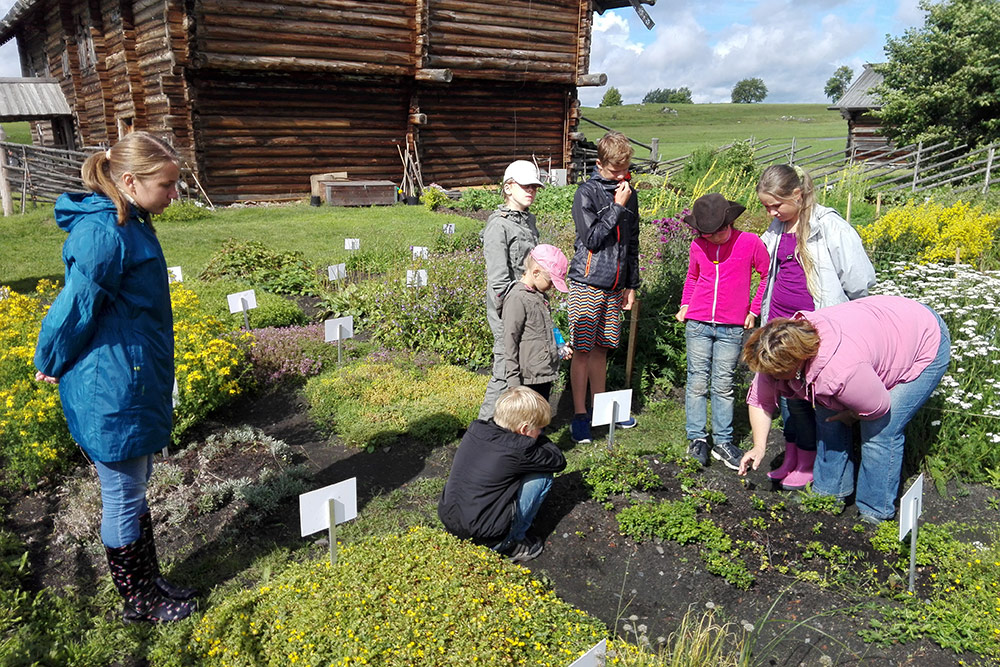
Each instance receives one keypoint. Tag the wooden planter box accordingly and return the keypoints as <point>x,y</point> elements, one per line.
<point>360,193</point>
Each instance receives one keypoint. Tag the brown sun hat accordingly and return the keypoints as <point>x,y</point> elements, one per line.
<point>712,212</point>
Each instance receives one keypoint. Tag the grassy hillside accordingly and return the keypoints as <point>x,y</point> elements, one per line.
<point>696,125</point>
<point>18,133</point>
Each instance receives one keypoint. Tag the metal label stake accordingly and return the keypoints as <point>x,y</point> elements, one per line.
<point>611,427</point>
<point>331,508</point>
<point>246,319</point>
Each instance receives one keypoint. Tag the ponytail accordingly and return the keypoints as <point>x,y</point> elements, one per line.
<point>138,153</point>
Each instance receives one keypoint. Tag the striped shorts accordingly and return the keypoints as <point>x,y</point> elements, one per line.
<point>595,316</point>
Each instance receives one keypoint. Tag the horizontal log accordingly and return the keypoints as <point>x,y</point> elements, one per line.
<point>434,75</point>
<point>331,27</point>
<point>373,56</point>
<point>594,79</point>
<point>264,39</point>
<point>293,64</point>
<point>349,14</point>
<point>556,35</point>
<point>526,14</point>
<point>527,58</point>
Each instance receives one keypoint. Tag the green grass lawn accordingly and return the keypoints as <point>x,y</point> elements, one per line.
<point>31,244</point>
<point>696,125</point>
<point>18,133</point>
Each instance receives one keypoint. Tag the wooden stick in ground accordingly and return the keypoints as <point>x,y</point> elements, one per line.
<point>8,204</point>
<point>633,326</point>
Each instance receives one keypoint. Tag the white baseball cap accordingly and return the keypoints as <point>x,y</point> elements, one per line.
<point>522,172</point>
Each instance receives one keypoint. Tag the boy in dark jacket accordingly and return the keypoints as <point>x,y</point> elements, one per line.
<point>501,473</point>
<point>531,355</point>
<point>604,272</point>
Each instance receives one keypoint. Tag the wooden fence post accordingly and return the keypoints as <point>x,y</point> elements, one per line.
<point>989,167</point>
<point>916,167</point>
<point>791,152</point>
<point>878,205</point>
<point>633,326</point>
<point>848,216</point>
<point>8,204</point>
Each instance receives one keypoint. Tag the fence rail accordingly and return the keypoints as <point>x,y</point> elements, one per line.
<point>38,174</point>
<point>915,167</point>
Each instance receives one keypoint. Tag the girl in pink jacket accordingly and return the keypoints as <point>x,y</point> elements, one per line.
<point>716,307</point>
<point>877,360</point>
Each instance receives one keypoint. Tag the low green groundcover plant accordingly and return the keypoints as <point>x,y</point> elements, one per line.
<point>272,310</point>
<point>958,602</point>
<point>422,598</point>
<point>678,521</point>
<point>371,402</point>
<point>618,472</point>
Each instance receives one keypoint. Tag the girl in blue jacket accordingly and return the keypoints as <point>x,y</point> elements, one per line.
<point>108,342</point>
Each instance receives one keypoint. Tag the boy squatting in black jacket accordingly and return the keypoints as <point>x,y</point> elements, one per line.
<point>500,476</point>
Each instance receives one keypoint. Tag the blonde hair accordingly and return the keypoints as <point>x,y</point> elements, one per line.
<point>780,181</point>
<point>781,346</point>
<point>521,406</point>
<point>138,153</point>
<point>614,148</point>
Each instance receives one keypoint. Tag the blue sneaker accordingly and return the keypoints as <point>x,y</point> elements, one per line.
<point>579,429</point>
<point>628,423</point>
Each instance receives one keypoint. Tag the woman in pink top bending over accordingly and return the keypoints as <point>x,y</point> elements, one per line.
<point>716,306</point>
<point>817,260</point>
<point>877,360</point>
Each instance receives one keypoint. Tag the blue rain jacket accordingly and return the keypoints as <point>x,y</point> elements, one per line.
<point>109,335</point>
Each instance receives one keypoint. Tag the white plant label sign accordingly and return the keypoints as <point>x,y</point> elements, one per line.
<point>416,278</point>
<point>604,405</point>
<point>449,228</point>
<point>419,252</point>
<point>337,271</point>
<point>174,274</point>
<point>237,301</point>
<point>595,657</point>
<point>314,514</point>
<point>911,506</point>
<point>352,244</point>
<point>340,328</point>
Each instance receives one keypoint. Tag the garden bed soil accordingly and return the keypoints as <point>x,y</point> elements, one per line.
<point>647,586</point>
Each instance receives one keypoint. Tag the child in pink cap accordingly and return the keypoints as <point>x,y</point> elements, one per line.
<point>531,356</point>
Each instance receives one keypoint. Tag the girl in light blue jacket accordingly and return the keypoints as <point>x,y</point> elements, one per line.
<point>108,342</point>
<point>816,260</point>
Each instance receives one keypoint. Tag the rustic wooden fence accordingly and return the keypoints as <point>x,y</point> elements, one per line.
<point>914,168</point>
<point>35,174</point>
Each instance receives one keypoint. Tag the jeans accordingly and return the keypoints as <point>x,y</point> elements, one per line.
<point>498,379</point>
<point>534,487</point>
<point>713,351</point>
<point>881,443</point>
<point>799,418</point>
<point>123,498</point>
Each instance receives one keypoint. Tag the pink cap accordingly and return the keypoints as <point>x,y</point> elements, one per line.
<point>554,262</point>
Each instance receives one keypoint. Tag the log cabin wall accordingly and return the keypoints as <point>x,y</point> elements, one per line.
<point>474,131</point>
<point>257,96</point>
<point>262,136</point>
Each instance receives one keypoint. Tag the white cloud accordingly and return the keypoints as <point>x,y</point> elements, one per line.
<point>10,63</point>
<point>794,46</point>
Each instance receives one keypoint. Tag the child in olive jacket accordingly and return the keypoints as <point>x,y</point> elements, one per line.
<point>531,355</point>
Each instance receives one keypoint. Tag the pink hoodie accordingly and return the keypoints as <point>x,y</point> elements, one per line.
<point>717,288</point>
<point>866,348</point>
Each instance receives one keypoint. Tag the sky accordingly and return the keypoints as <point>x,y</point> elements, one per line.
<point>793,45</point>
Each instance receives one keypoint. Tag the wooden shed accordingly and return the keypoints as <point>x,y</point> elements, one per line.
<point>257,95</point>
<point>865,140</point>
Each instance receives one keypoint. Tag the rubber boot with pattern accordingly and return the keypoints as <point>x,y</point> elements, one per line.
<point>143,600</point>
<point>166,588</point>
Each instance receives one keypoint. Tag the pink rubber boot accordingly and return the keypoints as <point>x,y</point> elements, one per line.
<point>788,465</point>
<point>803,473</point>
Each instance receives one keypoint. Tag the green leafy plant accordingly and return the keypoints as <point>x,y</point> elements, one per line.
<point>183,210</point>
<point>618,472</point>
<point>814,502</point>
<point>478,199</point>
<point>433,198</point>
<point>279,272</point>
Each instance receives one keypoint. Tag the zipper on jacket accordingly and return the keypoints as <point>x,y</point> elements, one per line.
<point>715,289</point>
<point>618,265</point>
<point>590,255</point>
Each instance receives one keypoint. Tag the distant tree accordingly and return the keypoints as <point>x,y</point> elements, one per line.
<point>612,98</point>
<point>837,84</point>
<point>749,90</point>
<point>668,96</point>
<point>940,81</point>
